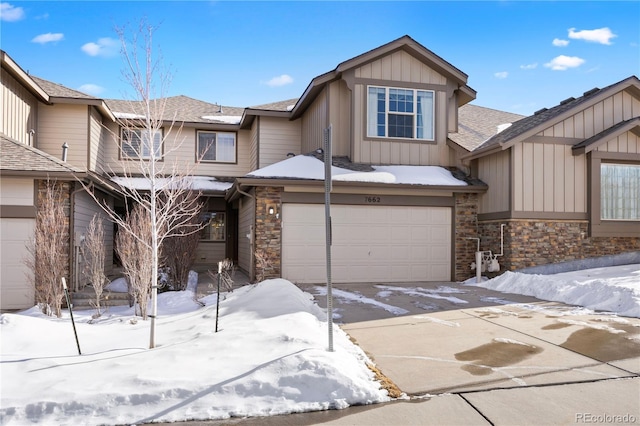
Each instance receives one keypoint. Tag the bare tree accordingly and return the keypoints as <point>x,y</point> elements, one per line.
<point>179,251</point>
<point>47,261</point>
<point>144,147</point>
<point>93,252</point>
<point>134,248</point>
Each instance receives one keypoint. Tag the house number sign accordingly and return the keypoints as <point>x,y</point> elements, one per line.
<point>372,200</point>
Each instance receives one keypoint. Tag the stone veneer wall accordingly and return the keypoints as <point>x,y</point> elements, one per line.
<point>539,242</point>
<point>268,232</point>
<point>66,200</point>
<point>466,226</point>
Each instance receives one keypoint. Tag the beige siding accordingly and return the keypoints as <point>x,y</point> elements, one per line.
<point>19,110</point>
<point>84,207</point>
<point>313,123</point>
<point>208,254</point>
<point>96,140</point>
<point>16,192</point>
<point>340,118</point>
<point>593,120</point>
<point>548,178</point>
<point>254,141</point>
<point>180,150</point>
<point>494,171</point>
<point>278,137</point>
<point>400,66</point>
<point>628,143</point>
<point>62,123</point>
<point>246,221</point>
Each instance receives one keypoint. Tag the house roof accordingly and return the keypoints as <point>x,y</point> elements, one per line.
<point>60,91</point>
<point>476,124</point>
<point>544,118</point>
<point>23,77</point>
<point>18,157</point>
<point>286,105</point>
<point>181,109</point>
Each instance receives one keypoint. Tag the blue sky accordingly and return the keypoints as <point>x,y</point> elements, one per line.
<point>520,56</point>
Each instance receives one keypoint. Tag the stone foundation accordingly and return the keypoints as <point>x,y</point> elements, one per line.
<point>466,226</point>
<point>268,232</point>
<point>530,243</point>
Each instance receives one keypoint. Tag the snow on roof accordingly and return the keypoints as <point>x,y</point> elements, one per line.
<point>127,115</point>
<point>306,167</point>
<point>228,119</point>
<point>195,183</point>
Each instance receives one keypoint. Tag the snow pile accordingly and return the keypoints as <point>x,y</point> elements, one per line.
<point>269,357</point>
<point>613,289</point>
<point>196,183</point>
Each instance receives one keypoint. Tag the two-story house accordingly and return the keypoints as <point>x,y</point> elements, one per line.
<point>419,173</point>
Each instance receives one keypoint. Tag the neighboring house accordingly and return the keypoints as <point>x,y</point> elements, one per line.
<point>419,173</point>
<point>564,182</point>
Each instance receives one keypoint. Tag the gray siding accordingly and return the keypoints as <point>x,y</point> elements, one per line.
<point>278,137</point>
<point>246,222</point>
<point>62,123</point>
<point>19,110</point>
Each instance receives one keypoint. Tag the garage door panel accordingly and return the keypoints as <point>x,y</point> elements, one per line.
<point>370,243</point>
<point>17,290</point>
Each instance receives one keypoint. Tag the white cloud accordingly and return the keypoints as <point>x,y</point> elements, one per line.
<point>48,38</point>
<point>91,89</point>
<point>501,75</point>
<point>559,42</point>
<point>104,47</point>
<point>10,13</point>
<point>601,35</point>
<point>529,66</point>
<point>281,80</point>
<point>563,63</point>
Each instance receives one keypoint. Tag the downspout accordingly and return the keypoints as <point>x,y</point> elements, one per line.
<point>251,237</point>
<point>73,262</point>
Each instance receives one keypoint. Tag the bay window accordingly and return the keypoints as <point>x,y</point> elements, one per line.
<point>216,146</point>
<point>400,113</point>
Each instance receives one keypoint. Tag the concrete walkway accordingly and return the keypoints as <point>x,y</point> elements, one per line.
<point>469,356</point>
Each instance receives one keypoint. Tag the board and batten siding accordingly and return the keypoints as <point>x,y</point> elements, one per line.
<point>548,178</point>
<point>340,118</point>
<point>254,142</point>
<point>598,117</point>
<point>278,137</point>
<point>246,222</point>
<point>396,70</point>
<point>63,123</point>
<point>19,110</point>
<point>628,143</point>
<point>180,149</point>
<point>313,123</point>
<point>494,171</point>
<point>84,208</point>
<point>96,140</point>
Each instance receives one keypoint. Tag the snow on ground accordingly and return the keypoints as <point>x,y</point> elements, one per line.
<point>613,289</point>
<point>269,357</point>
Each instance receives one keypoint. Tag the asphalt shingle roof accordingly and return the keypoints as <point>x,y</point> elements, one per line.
<point>477,124</point>
<point>286,105</point>
<point>17,156</point>
<point>60,91</point>
<point>181,108</point>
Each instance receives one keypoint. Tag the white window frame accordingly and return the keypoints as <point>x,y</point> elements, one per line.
<point>619,191</point>
<point>142,149</point>
<point>374,114</point>
<point>219,153</point>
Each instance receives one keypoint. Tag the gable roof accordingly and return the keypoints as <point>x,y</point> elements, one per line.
<point>18,158</point>
<point>594,141</point>
<point>544,118</point>
<point>405,43</point>
<point>22,76</point>
<point>181,109</point>
<point>476,124</point>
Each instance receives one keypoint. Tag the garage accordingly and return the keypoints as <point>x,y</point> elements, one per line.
<point>370,243</point>
<point>17,290</point>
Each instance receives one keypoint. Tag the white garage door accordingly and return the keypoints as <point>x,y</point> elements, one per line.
<point>370,243</point>
<point>16,291</point>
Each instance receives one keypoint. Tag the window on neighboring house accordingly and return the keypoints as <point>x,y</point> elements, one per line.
<point>217,146</point>
<point>213,226</point>
<point>136,143</point>
<point>620,191</point>
<point>400,113</point>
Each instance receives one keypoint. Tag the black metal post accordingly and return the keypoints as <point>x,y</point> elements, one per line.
<point>218,299</point>
<point>66,295</point>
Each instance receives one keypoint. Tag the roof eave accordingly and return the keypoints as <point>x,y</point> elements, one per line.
<point>23,77</point>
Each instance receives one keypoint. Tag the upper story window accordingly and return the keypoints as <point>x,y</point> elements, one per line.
<point>136,143</point>
<point>620,191</point>
<point>217,147</point>
<point>400,113</point>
